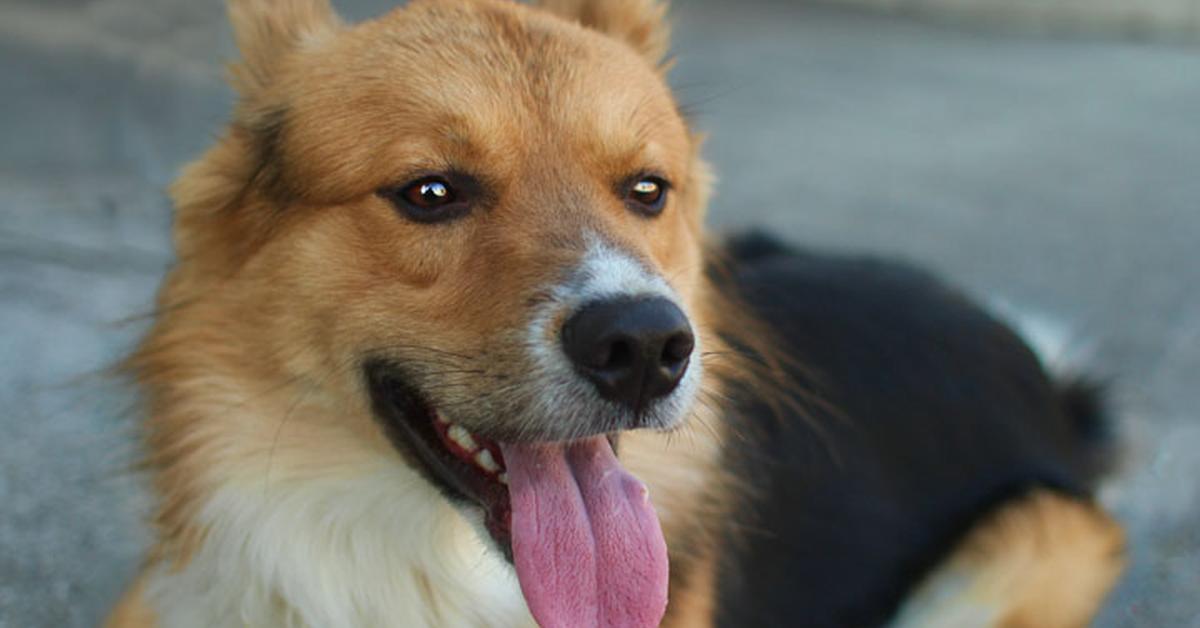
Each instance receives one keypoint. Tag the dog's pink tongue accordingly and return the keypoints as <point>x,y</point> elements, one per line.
<point>586,543</point>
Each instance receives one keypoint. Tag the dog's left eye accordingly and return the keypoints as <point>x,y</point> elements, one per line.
<point>647,195</point>
<point>427,200</point>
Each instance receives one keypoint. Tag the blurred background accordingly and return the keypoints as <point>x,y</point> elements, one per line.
<point>1043,153</point>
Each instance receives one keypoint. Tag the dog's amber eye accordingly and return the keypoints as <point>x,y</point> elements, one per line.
<point>647,195</point>
<point>427,200</point>
<point>431,193</point>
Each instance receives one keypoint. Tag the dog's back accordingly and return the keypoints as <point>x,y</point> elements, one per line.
<point>919,417</point>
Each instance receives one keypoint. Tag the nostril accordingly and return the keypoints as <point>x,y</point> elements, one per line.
<point>605,355</point>
<point>620,354</point>
<point>677,349</point>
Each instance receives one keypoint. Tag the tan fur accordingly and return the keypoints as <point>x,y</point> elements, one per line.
<point>266,31</point>
<point>1042,561</point>
<point>694,601</point>
<point>349,135</point>
<point>291,268</point>
<point>640,23</point>
<point>131,611</point>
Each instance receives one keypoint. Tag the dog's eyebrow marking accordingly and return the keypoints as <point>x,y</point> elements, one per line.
<point>460,130</point>
<point>457,140</point>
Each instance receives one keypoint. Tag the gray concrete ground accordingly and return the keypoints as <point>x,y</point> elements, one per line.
<point>1060,177</point>
<point>1177,20</point>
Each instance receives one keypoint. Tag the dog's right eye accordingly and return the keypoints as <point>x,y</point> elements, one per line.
<point>427,200</point>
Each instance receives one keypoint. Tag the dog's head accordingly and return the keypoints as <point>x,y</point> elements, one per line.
<point>482,221</point>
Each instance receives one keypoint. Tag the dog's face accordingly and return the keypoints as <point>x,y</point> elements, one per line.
<point>477,219</point>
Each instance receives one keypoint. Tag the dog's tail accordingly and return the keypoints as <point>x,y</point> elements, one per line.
<point>1085,406</point>
<point>1084,401</point>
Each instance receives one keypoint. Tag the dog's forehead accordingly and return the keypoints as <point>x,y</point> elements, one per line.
<point>506,57</point>
<point>487,77</point>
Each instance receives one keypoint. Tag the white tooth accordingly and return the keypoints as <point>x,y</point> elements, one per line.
<point>503,477</point>
<point>460,435</point>
<point>486,462</point>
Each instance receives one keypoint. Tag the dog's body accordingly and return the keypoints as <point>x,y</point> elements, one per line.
<point>446,266</point>
<point>925,416</point>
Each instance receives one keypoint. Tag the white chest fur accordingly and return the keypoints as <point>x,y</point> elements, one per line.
<point>368,547</point>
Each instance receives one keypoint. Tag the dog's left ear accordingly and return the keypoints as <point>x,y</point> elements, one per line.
<point>640,23</point>
<point>267,31</point>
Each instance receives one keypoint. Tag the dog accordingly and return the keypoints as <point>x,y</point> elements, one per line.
<point>447,344</point>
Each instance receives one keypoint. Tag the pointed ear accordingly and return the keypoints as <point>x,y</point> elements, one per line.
<point>266,31</point>
<point>640,23</point>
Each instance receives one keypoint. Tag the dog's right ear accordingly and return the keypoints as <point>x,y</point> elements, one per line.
<point>640,23</point>
<point>266,31</point>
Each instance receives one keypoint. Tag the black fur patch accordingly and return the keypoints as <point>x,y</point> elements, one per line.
<point>935,412</point>
<point>266,131</point>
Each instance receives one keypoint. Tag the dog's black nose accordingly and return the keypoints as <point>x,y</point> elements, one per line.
<point>634,350</point>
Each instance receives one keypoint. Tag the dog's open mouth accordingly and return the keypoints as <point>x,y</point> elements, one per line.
<point>580,530</point>
<point>464,466</point>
